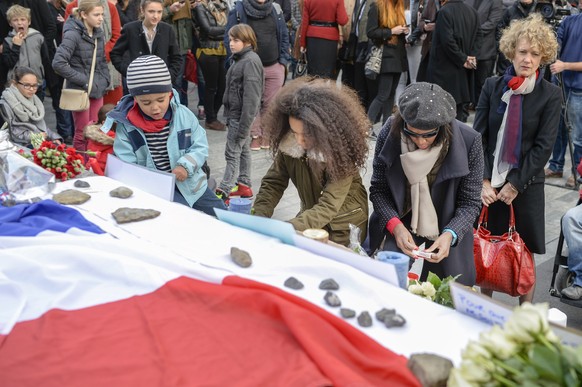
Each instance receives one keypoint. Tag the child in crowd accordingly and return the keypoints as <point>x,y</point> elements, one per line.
<point>156,131</point>
<point>23,45</point>
<point>242,100</point>
<point>99,142</point>
<point>22,110</point>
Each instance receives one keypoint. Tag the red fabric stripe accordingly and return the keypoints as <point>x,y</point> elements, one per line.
<point>190,333</point>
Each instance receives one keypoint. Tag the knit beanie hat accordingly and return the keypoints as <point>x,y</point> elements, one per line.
<point>148,74</point>
<point>426,106</point>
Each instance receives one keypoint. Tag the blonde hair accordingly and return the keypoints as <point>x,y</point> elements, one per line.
<point>17,11</point>
<point>244,33</point>
<point>536,31</point>
<point>86,6</point>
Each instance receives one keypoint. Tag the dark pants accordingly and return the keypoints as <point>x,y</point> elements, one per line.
<point>483,71</point>
<point>215,80</point>
<point>206,203</point>
<point>321,57</point>
<point>381,106</point>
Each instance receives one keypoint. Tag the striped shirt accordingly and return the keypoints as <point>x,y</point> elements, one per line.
<point>158,146</point>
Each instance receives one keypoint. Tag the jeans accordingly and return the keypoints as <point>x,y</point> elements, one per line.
<point>572,228</point>
<point>238,156</point>
<point>381,106</point>
<point>215,81</point>
<point>179,85</point>
<point>574,108</point>
<point>205,203</point>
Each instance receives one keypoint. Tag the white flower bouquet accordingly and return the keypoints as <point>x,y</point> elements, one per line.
<point>434,289</point>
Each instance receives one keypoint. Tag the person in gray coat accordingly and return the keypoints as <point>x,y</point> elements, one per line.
<point>73,60</point>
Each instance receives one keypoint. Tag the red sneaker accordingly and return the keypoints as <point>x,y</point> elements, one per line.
<point>256,144</point>
<point>241,191</point>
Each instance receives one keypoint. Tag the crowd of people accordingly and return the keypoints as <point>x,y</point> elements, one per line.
<point>436,61</point>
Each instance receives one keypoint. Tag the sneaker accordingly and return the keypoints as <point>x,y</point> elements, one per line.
<point>551,173</point>
<point>573,292</point>
<point>215,125</point>
<point>571,183</point>
<point>256,144</point>
<point>222,196</point>
<point>241,190</point>
<point>201,113</point>
<point>265,143</point>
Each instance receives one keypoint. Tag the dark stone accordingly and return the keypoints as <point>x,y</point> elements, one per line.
<point>240,257</point>
<point>430,370</point>
<point>382,313</point>
<point>394,320</point>
<point>347,313</point>
<point>365,320</point>
<point>81,184</point>
<point>121,192</point>
<point>329,284</point>
<point>332,299</point>
<point>293,283</point>
<point>71,196</point>
<point>127,215</point>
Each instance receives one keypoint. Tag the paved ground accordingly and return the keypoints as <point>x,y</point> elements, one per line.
<point>558,200</point>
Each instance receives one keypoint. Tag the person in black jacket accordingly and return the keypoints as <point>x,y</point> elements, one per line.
<point>210,16</point>
<point>135,42</point>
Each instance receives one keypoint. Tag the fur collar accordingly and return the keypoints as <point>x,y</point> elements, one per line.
<point>94,132</point>
<point>290,147</point>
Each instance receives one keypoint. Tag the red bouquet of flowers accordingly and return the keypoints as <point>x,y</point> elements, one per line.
<point>64,162</point>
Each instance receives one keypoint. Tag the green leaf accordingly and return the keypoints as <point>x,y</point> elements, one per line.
<point>546,363</point>
<point>434,279</point>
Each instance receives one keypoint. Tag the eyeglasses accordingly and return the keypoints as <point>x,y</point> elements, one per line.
<point>28,86</point>
<point>430,134</point>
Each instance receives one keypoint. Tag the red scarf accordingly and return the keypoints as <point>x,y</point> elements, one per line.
<point>144,122</point>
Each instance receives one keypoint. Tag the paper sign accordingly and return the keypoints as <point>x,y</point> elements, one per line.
<point>160,184</point>
<point>381,270</point>
<point>272,227</point>
<point>478,306</point>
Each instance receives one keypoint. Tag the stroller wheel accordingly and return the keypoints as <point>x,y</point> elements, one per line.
<point>564,278</point>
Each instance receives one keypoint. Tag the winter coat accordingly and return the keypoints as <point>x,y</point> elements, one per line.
<point>99,142</point>
<point>325,205</point>
<point>455,37</point>
<point>29,53</point>
<point>132,44</point>
<point>40,18</point>
<point>332,11</point>
<point>187,144</point>
<point>210,34</point>
<point>244,88</point>
<point>490,13</point>
<point>181,22</point>
<point>541,116</point>
<point>455,193</point>
<point>394,59</point>
<point>74,56</point>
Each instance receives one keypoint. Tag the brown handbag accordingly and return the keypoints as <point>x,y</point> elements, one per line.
<point>503,263</point>
<point>76,100</point>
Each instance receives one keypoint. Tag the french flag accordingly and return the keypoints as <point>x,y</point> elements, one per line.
<point>87,309</point>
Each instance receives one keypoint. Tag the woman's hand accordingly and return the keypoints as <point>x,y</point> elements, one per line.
<point>398,30</point>
<point>404,240</point>
<point>488,193</point>
<point>175,7</point>
<point>180,172</point>
<point>302,49</point>
<point>443,245</point>
<point>507,193</point>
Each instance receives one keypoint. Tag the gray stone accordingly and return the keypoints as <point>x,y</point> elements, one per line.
<point>71,196</point>
<point>329,284</point>
<point>430,370</point>
<point>365,320</point>
<point>127,215</point>
<point>81,184</point>
<point>347,313</point>
<point>382,313</point>
<point>240,257</point>
<point>332,299</point>
<point>293,283</point>
<point>394,320</point>
<point>121,192</point>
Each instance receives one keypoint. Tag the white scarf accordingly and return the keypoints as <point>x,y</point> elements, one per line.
<point>417,164</point>
<point>497,177</point>
<point>25,109</point>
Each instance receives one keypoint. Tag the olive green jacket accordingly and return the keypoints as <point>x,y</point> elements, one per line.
<point>331,206</point>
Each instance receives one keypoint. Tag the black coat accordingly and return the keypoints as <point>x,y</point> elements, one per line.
<point>210,33</point>
<point>456,194</point>
<point>394,59</point>
<point>490,13</point>
<point>456,36</point>
<point>541,115</point>
<point>132,44</point>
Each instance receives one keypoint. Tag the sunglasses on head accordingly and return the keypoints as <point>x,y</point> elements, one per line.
<point>430,134</point>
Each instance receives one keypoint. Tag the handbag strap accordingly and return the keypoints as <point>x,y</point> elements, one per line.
<point>485,215</point>
<point>92,70</point>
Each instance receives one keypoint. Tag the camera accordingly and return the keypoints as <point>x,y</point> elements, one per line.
<point>553,11</point>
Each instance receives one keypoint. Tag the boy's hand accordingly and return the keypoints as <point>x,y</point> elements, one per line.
<point>180,172</point>
<point>18,38</point>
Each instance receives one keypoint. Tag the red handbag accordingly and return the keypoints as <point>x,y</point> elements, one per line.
<point>191,68</point>
<point>503,263</point>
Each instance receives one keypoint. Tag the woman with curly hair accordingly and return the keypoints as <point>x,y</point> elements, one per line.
<point>518,116</point>
<point>318,139</point>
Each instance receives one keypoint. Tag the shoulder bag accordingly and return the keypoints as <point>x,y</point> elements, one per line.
<point>301,66</point>
<point>503,263</point>
<point>374,61</point>
<point>78,100</point>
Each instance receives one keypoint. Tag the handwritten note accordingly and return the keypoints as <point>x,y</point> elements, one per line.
<point>479,306</point>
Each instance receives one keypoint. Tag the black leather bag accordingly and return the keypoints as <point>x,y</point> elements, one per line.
<point>301,67</point>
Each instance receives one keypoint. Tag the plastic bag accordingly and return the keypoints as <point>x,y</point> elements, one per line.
<point>21,180</point>
<point>355,245</point>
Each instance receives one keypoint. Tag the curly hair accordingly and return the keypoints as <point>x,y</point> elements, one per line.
<point>332,117</point>
<point>537,32</point>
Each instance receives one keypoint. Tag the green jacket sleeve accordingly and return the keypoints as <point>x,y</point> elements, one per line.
<point>273,186</point>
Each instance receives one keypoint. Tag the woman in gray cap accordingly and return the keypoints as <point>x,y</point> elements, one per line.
<point>426,183</point>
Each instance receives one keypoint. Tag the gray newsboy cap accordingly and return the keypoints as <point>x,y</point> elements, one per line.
<point>426,106</point>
